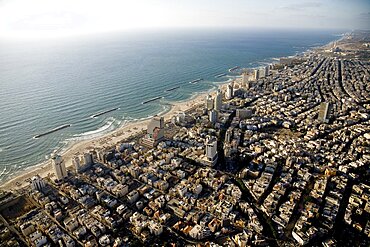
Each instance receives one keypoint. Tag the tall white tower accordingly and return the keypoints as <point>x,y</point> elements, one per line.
<point>209,102</point>
<point>59,167</point>
<point>218,100</point>
<point>211,151</point>
<point>256,74</point>
<point>230,91</point>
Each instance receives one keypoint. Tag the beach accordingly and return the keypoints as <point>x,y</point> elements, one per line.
<point>111,139</point>
<point>117,136</point>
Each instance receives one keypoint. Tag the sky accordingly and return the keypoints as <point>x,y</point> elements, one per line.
<point>57,18</point>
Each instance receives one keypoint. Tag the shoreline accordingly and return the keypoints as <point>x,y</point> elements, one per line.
<point>109,139</point>
<point>125,131</point>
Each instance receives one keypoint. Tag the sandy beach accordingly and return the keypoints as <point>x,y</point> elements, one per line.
<point>117,136</point>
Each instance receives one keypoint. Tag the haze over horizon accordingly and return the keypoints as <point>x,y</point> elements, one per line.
<point>50,18</point>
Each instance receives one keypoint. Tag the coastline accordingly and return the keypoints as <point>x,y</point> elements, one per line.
<point>106,140</point>
<point>44,169</point>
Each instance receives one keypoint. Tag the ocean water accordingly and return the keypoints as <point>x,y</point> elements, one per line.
<point>47,84</point>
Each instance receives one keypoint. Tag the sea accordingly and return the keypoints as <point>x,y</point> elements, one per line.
<point>48,83</point>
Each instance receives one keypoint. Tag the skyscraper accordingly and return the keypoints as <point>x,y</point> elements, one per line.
<point>245,79</point>
<point>156,122</point>
<point>88,158</point>
<point>155,132</point>
<point>218,100</point>
<point>211,151</point>
<point>37,183</point>
<point>209,103</point>
<point>230,91</point>
<point>256,74</point>
<point>59,167</point>
<point>213,116</point>
<point>76,162</point>
<point>267,70</point>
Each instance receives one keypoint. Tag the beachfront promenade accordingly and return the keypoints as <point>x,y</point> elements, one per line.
<point>277,157</point>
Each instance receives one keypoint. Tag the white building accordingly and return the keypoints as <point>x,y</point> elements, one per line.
<point>213,116</point>
<point>37,183</point>
<point>59,167</point>
<point>229,91</point>
<point>211,151</point>
<point>256,74</point>
<point>218,101</point>
<point>209,102</point>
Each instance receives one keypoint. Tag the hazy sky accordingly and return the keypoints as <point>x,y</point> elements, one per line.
<point>52,18</point>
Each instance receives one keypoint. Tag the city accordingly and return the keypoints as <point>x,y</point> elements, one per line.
<point>278,157</point>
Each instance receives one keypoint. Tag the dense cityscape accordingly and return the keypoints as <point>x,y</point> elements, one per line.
<point>278,157</point>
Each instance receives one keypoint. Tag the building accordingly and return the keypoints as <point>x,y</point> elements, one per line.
<point>156,122</point>
<point>76,163</point>
<point>37,183</point>
<point>211,152</point>
<point>243,113</point>
<point>218,101</point>
<point>228,135</point>
<point>155,132</point>
<point>213,116</point>
<point>59,167</point>
<point>325,112</point>
<point>262,73</point>
<point>245,80</point>
<point>209,103</point>
<point>256,74</point>
<point>267,70</point>
<point>229,91</point>
<point>88,158</point>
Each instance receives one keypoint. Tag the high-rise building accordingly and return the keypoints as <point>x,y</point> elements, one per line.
<point>37,183</point>
<point>155,132</point>
<point>245,80</point>
<point>228,135</point>
<point>325,112</point>
<point>59,167</point>
<point>262,73</point>
<point>267,70</point>
<point>213,116</point>
<point>229,91</point>
<point>209,103</point>
<point>88,158</point>
<point>211,151</point>
<point>218,100</point>
<point>256,74</point>
<point>77,164</point>
<point>156,122</point>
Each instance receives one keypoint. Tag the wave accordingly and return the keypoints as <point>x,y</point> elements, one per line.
<point>3,171</point>
<point>1,150</point>
<point>108,124</point>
